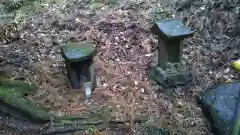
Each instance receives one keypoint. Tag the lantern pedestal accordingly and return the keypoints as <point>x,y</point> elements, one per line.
<point>79,65</point>
<point>171,76</point>
<point>169,70</point>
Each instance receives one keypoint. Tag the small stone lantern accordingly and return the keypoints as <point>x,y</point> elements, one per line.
<point>79,64</point>
<point>169,70</point>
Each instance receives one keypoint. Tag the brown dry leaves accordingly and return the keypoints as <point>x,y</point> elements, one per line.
<point>125,50</point>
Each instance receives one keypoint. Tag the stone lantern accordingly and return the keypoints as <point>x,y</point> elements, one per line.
<point>79,65</point>
<point>169,70</point>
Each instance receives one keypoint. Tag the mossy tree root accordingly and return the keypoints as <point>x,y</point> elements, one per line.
<point>12,95</point>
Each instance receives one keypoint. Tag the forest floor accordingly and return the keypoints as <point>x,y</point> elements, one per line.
<point>126,47</point>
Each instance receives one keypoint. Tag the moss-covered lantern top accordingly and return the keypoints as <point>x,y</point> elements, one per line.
<point>172,29</point>
<point>78,51</point>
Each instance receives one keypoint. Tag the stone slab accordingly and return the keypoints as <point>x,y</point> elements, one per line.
<point>172,29</point>
<point>172,75</point>
<point>78,51</point>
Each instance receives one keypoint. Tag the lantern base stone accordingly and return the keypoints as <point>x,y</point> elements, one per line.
<point>174,74</point>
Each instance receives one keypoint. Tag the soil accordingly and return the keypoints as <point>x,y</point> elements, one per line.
<point>126,47</point>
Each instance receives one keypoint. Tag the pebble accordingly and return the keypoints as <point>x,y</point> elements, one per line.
<point>142,90</point>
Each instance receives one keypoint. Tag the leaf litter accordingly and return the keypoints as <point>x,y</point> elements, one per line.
<point>126,47</point>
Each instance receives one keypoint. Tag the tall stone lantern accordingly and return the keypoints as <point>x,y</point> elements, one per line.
<point>169,70</point>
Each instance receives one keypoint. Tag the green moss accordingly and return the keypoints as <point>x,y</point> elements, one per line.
<point>96,5</point>
<point>16,86</point>
<point>14,99</point>
<point>150,129</point>
<point>105,2</point>
<point>12,5</point>
<point>66,122</point>
<point>12,93</point>
<point>78,51</point>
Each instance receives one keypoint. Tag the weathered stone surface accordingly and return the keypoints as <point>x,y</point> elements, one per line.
<point>172,29</point>
<point>169,51</point>
<point>153,130</point>
<point>78,51</point>
<point>235,130</point>
<point>174,74</point>
<point>81,72</point>
<point>220,105</point>
<point>79,65</point>
<point>169,70</point>
<point>170,39</point>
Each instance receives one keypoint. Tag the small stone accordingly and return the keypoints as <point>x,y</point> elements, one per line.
<point>142,90</point>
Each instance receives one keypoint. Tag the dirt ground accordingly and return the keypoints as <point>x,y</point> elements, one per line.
<point>126,47</point>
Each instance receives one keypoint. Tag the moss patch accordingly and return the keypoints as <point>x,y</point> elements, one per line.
<point>78,51</point>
